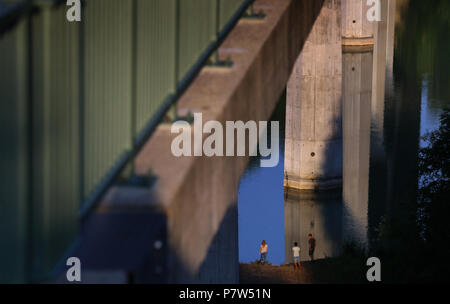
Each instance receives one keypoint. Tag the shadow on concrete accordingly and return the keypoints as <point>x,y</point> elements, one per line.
<point>120,246</point>
<point>132,247</point>
<point>340,215</point>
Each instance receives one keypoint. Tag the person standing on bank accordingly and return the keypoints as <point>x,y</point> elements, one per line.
<point>296,255</point>
<point>263,252</point>
<point>312,246</point>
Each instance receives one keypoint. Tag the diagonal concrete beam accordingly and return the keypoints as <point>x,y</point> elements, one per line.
<point>197,192</point>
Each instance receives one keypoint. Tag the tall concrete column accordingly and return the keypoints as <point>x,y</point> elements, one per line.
<point>358,44</point>
<point>357,91</point>
<point>313,152</point>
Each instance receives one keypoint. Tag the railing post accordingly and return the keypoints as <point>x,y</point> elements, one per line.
<point>252,14</point>
<point>214,60</point>
<point>172,113</point>
<point>81,106</point>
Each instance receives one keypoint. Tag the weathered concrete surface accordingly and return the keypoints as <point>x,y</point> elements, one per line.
<point>199,194</point>
<point>122,241</point>
<point>357,45</point>
<point>313,153</point>
<point>355,24</point>
<point>357,30</point>
<point>357,92</point>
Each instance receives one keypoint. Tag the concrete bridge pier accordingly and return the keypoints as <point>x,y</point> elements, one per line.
<point>357,64</point>
<point>383,89</point>
<point>357,91</point>
<point>357,30</point>
<point>313,151</point>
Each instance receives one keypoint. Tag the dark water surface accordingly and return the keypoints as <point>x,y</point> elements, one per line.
<point>415,95</point>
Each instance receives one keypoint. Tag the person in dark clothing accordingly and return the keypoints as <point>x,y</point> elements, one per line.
<point>312,246</point>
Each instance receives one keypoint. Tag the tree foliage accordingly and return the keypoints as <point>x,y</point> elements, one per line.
<point>434,190</point>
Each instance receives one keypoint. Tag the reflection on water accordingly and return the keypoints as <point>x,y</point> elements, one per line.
<point>318,214</point>
<point>380,164</point>
<point>356,101</point>
<point>431,111</point>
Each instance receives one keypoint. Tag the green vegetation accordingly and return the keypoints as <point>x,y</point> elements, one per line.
<point>423,44</point>
<point>434,194</point>
<point>416,249</point>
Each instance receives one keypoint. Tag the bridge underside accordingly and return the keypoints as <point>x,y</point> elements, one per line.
<point>195,198</point>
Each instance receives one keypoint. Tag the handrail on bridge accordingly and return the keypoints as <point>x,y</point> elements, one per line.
<point>148,130</point>
<point>12,15</point>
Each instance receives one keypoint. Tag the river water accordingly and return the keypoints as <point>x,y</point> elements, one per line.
<point>416,92</point>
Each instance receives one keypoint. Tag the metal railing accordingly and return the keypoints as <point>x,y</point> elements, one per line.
<point>79,100</point>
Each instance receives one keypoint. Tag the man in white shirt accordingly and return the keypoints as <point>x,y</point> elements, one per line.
<point>296,254</point>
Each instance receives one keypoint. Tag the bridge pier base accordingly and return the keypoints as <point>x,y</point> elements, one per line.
<point>357,30</point>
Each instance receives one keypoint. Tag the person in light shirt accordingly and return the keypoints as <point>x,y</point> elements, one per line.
<point>296,255</point>
<point>263,252</point>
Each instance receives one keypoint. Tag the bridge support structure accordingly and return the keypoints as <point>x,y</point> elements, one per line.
<point>383,89</point>
<point>190,220</point>
<point>357,93</point>
<point>357,30</point>
<point>313,148</point>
